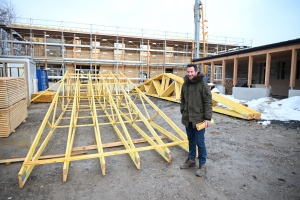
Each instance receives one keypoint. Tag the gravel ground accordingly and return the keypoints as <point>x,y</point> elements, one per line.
<point>245,161</point>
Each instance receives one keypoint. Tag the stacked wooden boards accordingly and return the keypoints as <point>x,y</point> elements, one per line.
<point>45,97</point>
<point>12,117</point>
<point>13,104</point>
<point>12,90</point>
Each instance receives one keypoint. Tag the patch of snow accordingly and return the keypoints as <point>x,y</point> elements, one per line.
<point>273,109</point>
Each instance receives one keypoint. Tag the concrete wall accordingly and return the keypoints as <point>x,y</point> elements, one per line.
<point>221,88</point>
<point>249,94</point>
<point>293,93</point>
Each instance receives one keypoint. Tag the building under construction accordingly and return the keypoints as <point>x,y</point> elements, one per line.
<point>139,53</point>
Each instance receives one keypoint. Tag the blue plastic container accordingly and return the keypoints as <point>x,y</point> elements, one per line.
<point>42,77</point>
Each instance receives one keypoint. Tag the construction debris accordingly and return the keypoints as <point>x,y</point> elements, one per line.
<point>104,102</point>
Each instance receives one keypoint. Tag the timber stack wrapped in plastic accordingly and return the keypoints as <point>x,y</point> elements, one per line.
<point>13,104</point>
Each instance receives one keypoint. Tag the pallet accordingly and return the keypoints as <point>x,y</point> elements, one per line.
<point>47,97</point>
<point>12,90</point>
<point>12,117</point>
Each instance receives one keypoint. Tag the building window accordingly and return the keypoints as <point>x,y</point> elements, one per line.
<point>218,73</point>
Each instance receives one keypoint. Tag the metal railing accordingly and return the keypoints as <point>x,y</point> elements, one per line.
<point>117,30</point>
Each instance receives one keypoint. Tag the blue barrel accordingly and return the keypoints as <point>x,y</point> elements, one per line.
<point>42,77</point>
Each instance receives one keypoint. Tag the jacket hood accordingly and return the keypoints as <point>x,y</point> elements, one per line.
<point>199,77</point>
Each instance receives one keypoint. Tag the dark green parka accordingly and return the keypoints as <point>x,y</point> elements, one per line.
<point>196,101</point>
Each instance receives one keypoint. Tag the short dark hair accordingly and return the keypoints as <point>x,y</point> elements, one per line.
<point>193,65</point>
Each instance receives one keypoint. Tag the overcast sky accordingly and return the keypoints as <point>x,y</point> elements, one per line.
<point>262,21</point>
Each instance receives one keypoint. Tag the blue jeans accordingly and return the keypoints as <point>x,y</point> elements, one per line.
<point>196,137</point>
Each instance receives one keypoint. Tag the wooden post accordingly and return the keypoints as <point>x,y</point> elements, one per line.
<point>212,72</point>
<point>293,68</point>
<point>223,71</point>
<point>268,66</point>
<point>250,67</point>
<point>235,70</point>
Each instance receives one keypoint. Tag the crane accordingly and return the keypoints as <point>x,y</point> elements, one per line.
<point>198,10</point>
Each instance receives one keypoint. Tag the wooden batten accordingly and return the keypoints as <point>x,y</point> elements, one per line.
<point>47,97</point>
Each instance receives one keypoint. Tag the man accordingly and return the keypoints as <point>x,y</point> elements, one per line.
<point>195,107</point>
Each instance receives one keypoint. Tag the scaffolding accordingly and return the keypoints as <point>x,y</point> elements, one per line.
<point>70,46</point>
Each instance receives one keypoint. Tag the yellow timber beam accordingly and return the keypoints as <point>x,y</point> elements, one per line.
<point>168,86</point>
<point>104,100</point>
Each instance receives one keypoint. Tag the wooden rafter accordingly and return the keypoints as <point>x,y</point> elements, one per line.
<point>165,86</point>
<point>104,97</point>
<point>168,86</point>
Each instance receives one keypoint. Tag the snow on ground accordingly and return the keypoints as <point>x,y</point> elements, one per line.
<point>274,109</point>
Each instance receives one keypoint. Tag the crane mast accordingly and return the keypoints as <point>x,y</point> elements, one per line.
<point>197,17</point>
<point>198,11</point>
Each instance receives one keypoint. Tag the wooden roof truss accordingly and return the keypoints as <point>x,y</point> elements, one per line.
<point>102,100</point>
<point>168,86</point>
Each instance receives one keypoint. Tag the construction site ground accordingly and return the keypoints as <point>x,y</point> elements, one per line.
<point>246,160</point>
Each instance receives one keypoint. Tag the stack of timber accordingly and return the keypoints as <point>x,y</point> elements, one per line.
<point>233,108</point>
<point>12,90</point>
<point>13,104</point>
<point>45,97</point>
<point>12,117</point>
